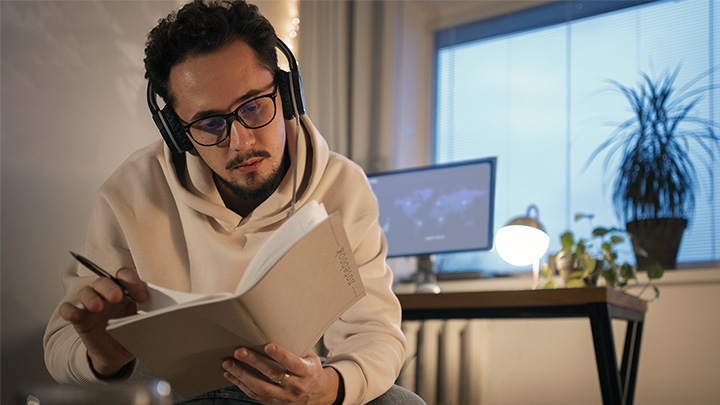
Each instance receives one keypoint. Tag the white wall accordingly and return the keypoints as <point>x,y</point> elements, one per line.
<point>72,109</point>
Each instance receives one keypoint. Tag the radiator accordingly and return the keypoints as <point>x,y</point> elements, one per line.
<point>443,363</point>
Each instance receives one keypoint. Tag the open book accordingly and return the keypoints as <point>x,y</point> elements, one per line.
<point>298,284</point>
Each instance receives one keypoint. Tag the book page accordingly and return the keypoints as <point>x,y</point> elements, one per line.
<point>164,297</point>
<point>164,300</point>
<point>285,237</point>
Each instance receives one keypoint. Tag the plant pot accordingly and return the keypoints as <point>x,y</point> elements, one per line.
<point>660,238</point>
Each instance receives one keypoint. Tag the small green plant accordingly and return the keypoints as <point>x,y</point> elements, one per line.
<point>583,262</point>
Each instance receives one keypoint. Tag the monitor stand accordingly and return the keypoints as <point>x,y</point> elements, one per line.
<point>426,280</point>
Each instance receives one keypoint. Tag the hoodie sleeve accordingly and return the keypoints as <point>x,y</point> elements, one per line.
<point>65,354</point>
<point>366,345</point>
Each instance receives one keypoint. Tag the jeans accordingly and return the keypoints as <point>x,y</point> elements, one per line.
<point>396,395</point>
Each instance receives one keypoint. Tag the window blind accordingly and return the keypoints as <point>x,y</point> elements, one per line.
<point>531,88</point>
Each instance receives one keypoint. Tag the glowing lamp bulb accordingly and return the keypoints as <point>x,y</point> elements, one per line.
<point>521,245</point>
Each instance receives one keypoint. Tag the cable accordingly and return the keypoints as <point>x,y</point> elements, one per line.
<point>295,166</point>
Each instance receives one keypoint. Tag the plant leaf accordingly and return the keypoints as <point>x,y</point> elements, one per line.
<point>575,282</point>
<point>580,248</point>
<point>655,271</point>
<point>580,216</point>
<point>568,240</point>
<point>590,263</point>
<point>600,231</point>
<point>616,239</point>
<point>577,274</point>
<point>609,277</point>
<point>640,251</point>
<point>627,272</point>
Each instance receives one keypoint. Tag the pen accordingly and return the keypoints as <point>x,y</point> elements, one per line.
<point>102,273</point>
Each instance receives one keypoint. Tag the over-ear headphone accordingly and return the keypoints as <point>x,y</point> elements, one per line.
<point>289,86</point>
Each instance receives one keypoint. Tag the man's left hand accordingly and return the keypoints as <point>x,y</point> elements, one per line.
<point>282,377</point>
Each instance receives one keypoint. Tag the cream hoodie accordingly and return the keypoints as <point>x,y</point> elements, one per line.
<point>163,215</point>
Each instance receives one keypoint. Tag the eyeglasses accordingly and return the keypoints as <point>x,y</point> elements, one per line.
<point>252,114</point>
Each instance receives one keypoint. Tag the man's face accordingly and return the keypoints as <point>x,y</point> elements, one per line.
<point>249,163</point>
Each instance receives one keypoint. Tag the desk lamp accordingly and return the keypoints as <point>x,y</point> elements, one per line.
<point>523,241</point>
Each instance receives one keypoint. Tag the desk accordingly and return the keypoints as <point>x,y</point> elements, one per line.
<point>599,304</point>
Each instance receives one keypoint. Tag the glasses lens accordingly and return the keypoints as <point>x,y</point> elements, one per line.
<point>209,131</point>
<point>258,112</point>
<point>254,114</point>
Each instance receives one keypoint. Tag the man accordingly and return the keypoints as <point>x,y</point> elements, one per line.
<point>193,221</point>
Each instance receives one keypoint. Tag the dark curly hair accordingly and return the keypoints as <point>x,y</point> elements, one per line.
<point>201,27</point>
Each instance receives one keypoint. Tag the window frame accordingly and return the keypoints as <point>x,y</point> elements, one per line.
<point>527,19</point>
<point>536,17</point>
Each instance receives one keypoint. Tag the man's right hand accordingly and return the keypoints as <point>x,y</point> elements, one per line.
<point>90,311</point>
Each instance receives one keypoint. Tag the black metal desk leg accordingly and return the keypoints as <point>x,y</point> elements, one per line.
<point>630,360</point>
<point>605,353</point>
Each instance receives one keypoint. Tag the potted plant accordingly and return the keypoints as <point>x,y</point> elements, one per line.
<point>582,262</point>
<point>654,187</point>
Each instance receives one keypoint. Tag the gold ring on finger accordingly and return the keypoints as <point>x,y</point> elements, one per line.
<point>283,379</point>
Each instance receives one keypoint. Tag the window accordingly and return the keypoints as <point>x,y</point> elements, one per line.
<point>530,88</point>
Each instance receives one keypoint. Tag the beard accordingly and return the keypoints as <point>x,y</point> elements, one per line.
<point>262,190</point>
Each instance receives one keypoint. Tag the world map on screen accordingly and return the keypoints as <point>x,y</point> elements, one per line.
<point>440,206</point>
<point>436,209</point>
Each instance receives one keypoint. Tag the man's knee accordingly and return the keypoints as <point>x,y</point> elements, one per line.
<point>397,395</point>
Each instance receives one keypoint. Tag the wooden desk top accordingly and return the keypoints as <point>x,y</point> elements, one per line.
<point>560,297</point>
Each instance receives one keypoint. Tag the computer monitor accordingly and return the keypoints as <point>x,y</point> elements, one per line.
<point>437,209</point>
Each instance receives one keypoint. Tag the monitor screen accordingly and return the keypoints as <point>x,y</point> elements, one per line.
<point>437,209</point>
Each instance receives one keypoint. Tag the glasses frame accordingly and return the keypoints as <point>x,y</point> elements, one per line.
<point>234,113</point>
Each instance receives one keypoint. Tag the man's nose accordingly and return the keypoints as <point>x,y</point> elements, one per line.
<point>241,138</point>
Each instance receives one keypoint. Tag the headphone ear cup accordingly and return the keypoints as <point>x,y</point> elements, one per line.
<point>296,87</point>
<point>175,127</point>
<point>290,84</point>
<point>283,82</point>
<point>169,124</point>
